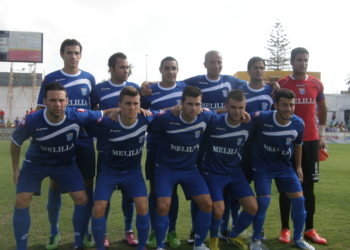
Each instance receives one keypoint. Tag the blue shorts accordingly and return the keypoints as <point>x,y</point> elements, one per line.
<point>68,177</point>
<point>236,184</point>
<point>191,181</point>
<point>286,181</point>
<point>150,164</point>
<point>85,157</point>
<point>131,182</point>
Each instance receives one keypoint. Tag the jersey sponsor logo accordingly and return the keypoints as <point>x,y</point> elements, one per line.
<point>301,85</point>
<point>105,88</point>
<point>268,125</point>
<point>239,141</point>
<point>265,106</point>
<point>289,141</point>
<point>76,103</point>
<point>84,91</point>
<point>218,128</point>
<point>69,136</point>
<point>213,105</point>
<point>39,129</point>
<point>141,138</point>
<point>81,110</point>
<point>114,131</point>
<point>304,100</point>
<point>175,123</point>
<point>257,113</point>
<point>157,93</point>
<point>57,149</point>
<point>224,93</point>
<point>197,133</point>
<point>222,150</point>
<point>183,148</point>
<point>203,83</point>
<point>302,91</point>
<point>62,79</point>
<point>127,153</point>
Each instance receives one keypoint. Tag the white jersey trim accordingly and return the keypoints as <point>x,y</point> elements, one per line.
<point>172,95</point>
<point>245,133</point>
<point>116,85</point>
<point>220,86</point>
<point>70,75</point>
<point>79,82</point>
<point>117,93</point>
<point>128,136</point>
<point>199,125</point>
<point>74,126</point>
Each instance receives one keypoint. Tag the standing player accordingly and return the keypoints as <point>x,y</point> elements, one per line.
<point>280,134</point>
<point>166,93</point>
<point>308,91</point>
<point>106,95</point>
<point>54,132</point>
<point>221,168</point>
<point>79,85</point>
<point>122,164</point>
<point>175,163</point>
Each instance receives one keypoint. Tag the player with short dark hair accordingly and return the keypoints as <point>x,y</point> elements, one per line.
<point>54,132</point>
<point>221,168</point>
<point>107,95</point>
<point>309,93</point>
<point>177,153</point>
<point>79,85</point>
<point>122,164</point>
<point>279,138</point>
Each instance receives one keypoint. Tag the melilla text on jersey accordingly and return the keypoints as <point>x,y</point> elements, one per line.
<point>127,153</point>
<point>222,150</point>
<point>213,106</point>
<point>184,149</point>
<point>304,100</point>
<point>276,149</point>
<point>58,149</point>
<point>76,103</point>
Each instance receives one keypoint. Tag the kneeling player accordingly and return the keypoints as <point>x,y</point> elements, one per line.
<point>54,133</point>
<point>122,164</point>
<point>280,133</point>
<point>221,168</point>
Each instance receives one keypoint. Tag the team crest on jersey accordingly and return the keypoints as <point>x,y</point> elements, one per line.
<point>239,141</point>
<point>161,112</point>
<point>84,91</point>
<point>224,93</point>
<point>81,110</point>
<point>197,133</point>
<point>178,102</point>
<point>257,113</point>
<point>289,141</point>
<point>264,106</point>
<point>302,91</point>
<point>141,138</point>
<point>69,136</point>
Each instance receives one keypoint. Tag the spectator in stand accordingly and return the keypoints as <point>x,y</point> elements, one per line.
<point>31,111</point>
<point>8,123</point>
<point>336,124</point>
<point>328,129</point>
<point>342,125</point>
<point>336,128</point>
<point>334,116</point>
<point>2,122</point>
<point>331,125</point>
<point>27,113</point>
<point>16,122</point>
<point>2,113</point>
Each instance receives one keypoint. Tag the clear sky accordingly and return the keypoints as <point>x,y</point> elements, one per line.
<point>186,30</point>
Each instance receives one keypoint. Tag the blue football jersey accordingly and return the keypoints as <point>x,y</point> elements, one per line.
<point>78,86</point>
<point>224,146</point>
<point>179,140</point>
<point>257,99</point>
<point>215,92</point>
<point>124,143</point>
<point>53,143</point>
<point>161,98</point>
<point>273,147</point>
<point>106,94</point>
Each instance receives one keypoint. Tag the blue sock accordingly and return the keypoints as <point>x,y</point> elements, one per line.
<point>53,208</point>
<point>258,221</point>
<point>214,227</point>
<point>244,220</point>
<point>90,204</point>
<point>142,226</point>
<point>152,206</point>
<point>298,215</point>
<point>128,211</point>
<point>203,222</point>
<point>21,224</point>
<point>194,212</point>
<point>98,227</point>
<point>174,209</point>
<point>80,222</point>
<point>160,227</point>
<point>226,216</point>
<point>235,206</point>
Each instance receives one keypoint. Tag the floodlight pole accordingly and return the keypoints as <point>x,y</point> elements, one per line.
<point>9,93</point>
<point>146,67</point>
